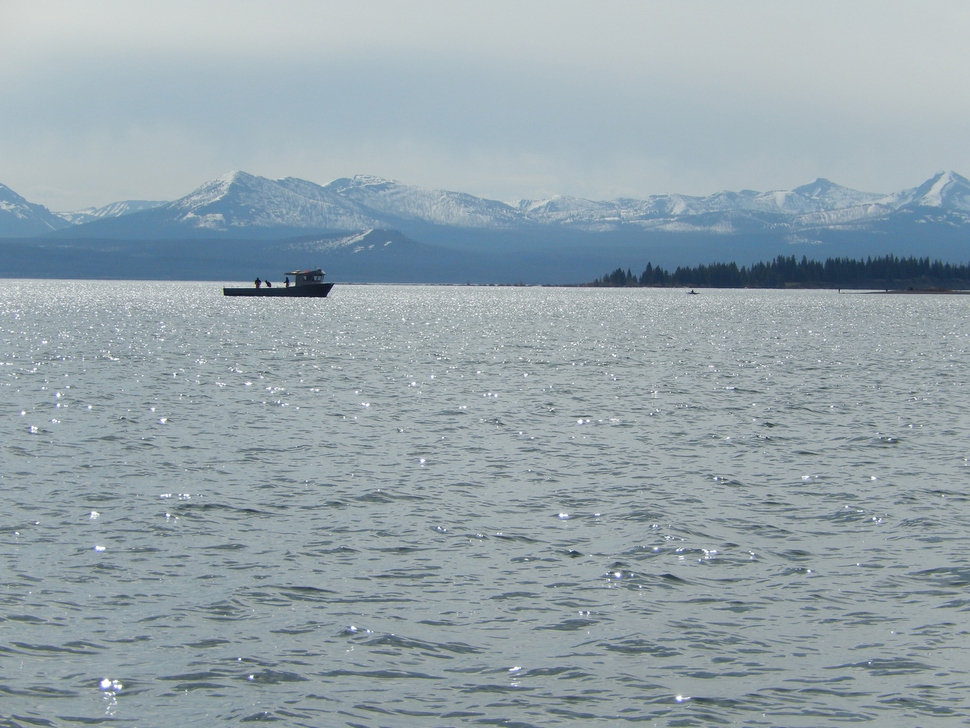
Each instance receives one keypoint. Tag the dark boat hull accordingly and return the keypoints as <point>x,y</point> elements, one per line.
<point>317,290</point>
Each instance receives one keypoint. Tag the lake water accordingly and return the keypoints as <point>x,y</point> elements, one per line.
<point>434,506</point>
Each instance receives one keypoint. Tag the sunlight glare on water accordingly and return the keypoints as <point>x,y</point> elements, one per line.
<point>408,505</point>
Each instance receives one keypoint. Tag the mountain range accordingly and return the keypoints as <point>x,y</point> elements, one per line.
<point>369,228</point>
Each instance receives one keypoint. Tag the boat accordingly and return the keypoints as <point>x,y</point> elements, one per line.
<point>306,284</point>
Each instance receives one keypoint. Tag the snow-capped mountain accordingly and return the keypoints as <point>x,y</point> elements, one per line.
<point>387,230</point>
<point>818,196</point>
<point>236,205</point>
<point>115,209</point>
<point>244,205</point>
<point>944,190</point>
<point>241,204</point>
<point>19,218</point>
<point>389,199</point>
<point>238,200</point>
<point>831,196</point>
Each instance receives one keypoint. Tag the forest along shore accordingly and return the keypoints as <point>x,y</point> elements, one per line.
<point>887,274</point>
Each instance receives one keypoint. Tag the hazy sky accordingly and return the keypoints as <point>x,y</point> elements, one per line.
<point>105,100</point>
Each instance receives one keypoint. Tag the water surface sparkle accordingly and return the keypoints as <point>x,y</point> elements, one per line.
<point>441,506</point>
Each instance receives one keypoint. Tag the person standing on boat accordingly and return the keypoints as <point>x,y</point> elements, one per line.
<point>286,283</point>
<point>268,284</point>
<point>258,283</point>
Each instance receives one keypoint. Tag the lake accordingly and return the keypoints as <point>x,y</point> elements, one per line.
<point>437,506</point>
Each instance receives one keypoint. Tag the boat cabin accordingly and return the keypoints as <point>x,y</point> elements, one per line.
<point>307,277</point>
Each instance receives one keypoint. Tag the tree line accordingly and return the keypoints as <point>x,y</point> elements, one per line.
<point>888,271</point>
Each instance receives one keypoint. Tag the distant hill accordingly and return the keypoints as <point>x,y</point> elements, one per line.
<point>560,239</point>
<point>373,256</point>
<point>19,218</point>
<point>115,209</point>
<point>240,205</point>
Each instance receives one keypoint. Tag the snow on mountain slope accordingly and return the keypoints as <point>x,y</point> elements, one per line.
<point>945,190</point>
<point>21,218</point>
<point>114,209</point>
<point>246,205</point>
<point>844,216</point>
<point>587,215</point>
<point>390,199</point>
<point>364,241</point>
<point>240,200</point>
<point>831,196</point>
<point>818,196</point>
<point>562,204</point>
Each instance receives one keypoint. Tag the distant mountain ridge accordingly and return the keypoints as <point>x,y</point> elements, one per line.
<point>21,218</point>
<point>562,236</point>
<point>241,204</point>
<point>114,209</point>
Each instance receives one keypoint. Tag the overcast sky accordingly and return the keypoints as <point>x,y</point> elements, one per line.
<point>119,99</point>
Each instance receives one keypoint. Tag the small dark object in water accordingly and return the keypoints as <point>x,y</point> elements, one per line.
<point>307,284</point>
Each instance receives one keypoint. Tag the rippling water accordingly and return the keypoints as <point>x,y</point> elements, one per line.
<point>417,506</point>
